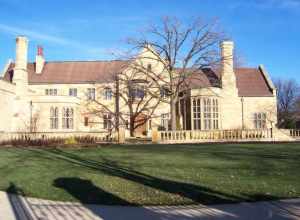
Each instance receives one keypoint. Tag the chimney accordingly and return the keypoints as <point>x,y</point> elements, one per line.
<point>20,70</point>
<point>227,69</point>
<point>39,60</point>
<point>21,52</point>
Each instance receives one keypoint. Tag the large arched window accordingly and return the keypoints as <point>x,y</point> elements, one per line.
<point>68,118</point>
<point>54,118</point>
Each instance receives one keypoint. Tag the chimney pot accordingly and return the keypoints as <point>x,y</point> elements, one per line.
<point>39,60</point>
<point>40,51</point>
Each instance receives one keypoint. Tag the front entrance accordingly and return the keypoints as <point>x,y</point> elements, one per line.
<point>141,130</point>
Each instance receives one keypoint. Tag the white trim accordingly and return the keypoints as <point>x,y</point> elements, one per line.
<point>267,78</point>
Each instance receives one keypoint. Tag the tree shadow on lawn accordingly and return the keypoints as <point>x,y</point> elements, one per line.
<point>194,193</point>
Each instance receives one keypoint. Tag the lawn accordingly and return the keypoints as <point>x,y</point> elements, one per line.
<point>154,174</point>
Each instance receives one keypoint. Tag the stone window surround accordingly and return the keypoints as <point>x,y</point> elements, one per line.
<point>208,118</point>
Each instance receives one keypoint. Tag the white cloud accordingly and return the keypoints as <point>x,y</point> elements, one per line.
<point>53,39</point>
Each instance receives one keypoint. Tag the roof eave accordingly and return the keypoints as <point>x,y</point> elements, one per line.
<point>267,78</point>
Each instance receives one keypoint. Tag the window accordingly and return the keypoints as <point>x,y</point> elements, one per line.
<point>91,93</point>
<point>197,114</point>
<point>165,121</point>
<point>53,118</point>
<point>149,68</point>
<point>164,92</point>
<point>207,114</point>
<point>215,114</point>
<point>68,118</point>
<point>137,91</point>
<point>51,92</point>
<point>260,120</point>
<point>73,92</point>
<point>86,121</point>
<point>108,94</point>
<point>107,121</point>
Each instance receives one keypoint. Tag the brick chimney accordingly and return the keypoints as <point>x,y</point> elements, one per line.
<point>227,68</point>
<point>39,60</point>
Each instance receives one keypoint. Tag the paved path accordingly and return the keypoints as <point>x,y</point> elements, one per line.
<point>18,208</point>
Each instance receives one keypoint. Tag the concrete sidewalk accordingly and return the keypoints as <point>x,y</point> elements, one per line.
<point>15,207</point>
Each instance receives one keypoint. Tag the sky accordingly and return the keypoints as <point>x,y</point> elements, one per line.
<point>264,31</point>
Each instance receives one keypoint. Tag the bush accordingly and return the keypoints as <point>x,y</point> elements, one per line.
<point>71,141</point>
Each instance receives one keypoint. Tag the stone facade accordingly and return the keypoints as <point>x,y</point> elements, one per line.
<point>25,102</point>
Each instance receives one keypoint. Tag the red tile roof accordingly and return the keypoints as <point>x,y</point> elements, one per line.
<point>250,81</point>
<point>73,72</point>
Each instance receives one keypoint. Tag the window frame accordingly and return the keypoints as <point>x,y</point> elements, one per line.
<point>260,120</point>
<point>68,118</point>
<point>54,115</point>
<point>73,92</point>
<point>91,94</point>
<point>107,121</point>
<point>108,93</point>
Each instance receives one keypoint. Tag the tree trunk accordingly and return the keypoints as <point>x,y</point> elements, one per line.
<point>173,115</point>
<point>131,126</point>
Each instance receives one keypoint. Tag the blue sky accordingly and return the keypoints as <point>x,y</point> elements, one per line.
<point>265,31</point>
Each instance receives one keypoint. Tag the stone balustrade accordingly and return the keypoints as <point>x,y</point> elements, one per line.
<point>198,136</point>
<point>295,133</point>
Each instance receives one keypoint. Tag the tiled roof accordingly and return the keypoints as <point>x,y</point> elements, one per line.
<point>73,72</point>
<point>250,81</point>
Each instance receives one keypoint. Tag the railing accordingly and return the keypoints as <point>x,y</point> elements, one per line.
<point>295,133</point>
<point>214,136</point>
<point>84,137</point>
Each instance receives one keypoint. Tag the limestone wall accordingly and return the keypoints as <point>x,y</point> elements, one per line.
<point>7,95</point>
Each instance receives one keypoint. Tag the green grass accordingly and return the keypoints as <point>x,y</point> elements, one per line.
<point>154,174</point>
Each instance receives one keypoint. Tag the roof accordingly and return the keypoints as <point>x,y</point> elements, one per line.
<point>251,82</point>
<point>73,72</point>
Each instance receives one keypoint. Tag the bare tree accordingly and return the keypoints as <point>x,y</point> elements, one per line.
<point>287,96</point>
<point>131,105</point>
<point>182,50</point>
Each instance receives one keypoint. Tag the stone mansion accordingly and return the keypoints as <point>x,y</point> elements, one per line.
<point>53,96</point>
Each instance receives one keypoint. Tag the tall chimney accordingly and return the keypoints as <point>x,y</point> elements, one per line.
<point>39,60</point>
<point>227,69</point>
<point>20,77</point>
<point>21,108</point>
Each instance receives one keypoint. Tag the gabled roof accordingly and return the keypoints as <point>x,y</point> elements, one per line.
<point>251,82</point>
<point>73,72</point>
